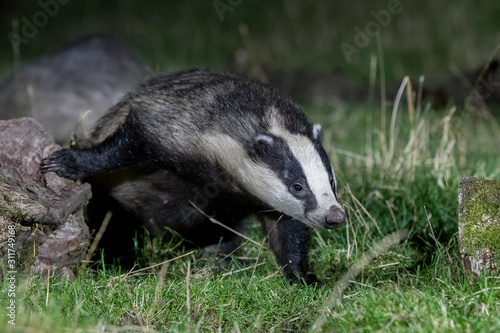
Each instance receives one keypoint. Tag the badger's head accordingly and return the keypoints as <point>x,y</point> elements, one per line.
<point>296,177</point>
<point>289,171</point>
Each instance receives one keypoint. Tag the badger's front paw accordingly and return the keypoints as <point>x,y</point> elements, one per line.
<point>64,163</point>
<point>307,278</point>
<point>311,279</point>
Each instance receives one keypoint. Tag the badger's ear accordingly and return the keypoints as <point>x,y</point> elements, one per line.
<point>261,145</point>
<point>317,133</point>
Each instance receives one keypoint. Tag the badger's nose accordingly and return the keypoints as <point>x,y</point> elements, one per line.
<point>335,219</point>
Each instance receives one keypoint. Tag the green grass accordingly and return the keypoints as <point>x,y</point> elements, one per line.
<point>418,285</point>
<point>405,180</point>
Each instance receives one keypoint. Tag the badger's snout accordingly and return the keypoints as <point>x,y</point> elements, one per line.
<point>334,219</point>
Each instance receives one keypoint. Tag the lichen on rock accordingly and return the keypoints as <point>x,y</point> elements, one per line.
<point>479,223</point>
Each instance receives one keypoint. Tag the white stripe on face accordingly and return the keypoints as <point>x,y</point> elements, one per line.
<point>316,131</point>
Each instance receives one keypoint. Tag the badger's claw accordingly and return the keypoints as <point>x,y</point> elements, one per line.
<point>307,278</point>
<point>64,163</point>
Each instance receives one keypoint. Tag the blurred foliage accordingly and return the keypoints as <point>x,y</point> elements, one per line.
<point>423,37</point>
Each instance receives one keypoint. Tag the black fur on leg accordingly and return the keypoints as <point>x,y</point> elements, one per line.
<point>124,147</point>
<point>289,239</point>
<point>67,163</point>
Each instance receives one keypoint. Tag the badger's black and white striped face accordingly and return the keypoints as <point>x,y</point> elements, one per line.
<point>304,181</point>
<point>290,172</point>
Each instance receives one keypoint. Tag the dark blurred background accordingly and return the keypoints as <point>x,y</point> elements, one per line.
<point>417,37</point>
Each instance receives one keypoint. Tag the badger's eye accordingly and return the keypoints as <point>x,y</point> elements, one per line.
<point>297,187</point>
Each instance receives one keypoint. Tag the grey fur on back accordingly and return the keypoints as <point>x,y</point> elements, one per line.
<point>191,103</point>
<point>91,73</point>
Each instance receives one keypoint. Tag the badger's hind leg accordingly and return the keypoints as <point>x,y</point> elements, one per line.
<point>124,147</point>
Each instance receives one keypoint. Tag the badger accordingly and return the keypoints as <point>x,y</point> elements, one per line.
<point>90,73</point>
<point>227,145</point>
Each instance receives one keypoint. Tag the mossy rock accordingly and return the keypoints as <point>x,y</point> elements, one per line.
<point>479,224</point>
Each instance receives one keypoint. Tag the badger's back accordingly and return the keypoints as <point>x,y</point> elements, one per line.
<point>195,103</point>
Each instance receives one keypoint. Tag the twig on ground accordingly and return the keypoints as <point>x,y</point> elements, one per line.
<point>129,274</point>
<point>378,249</point>
<point>97,239</point>
<point>223,225</point>
<point>243,269</point>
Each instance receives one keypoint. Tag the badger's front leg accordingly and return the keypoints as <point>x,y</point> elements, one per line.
<point>124,147</point>
<point>289,240</point>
